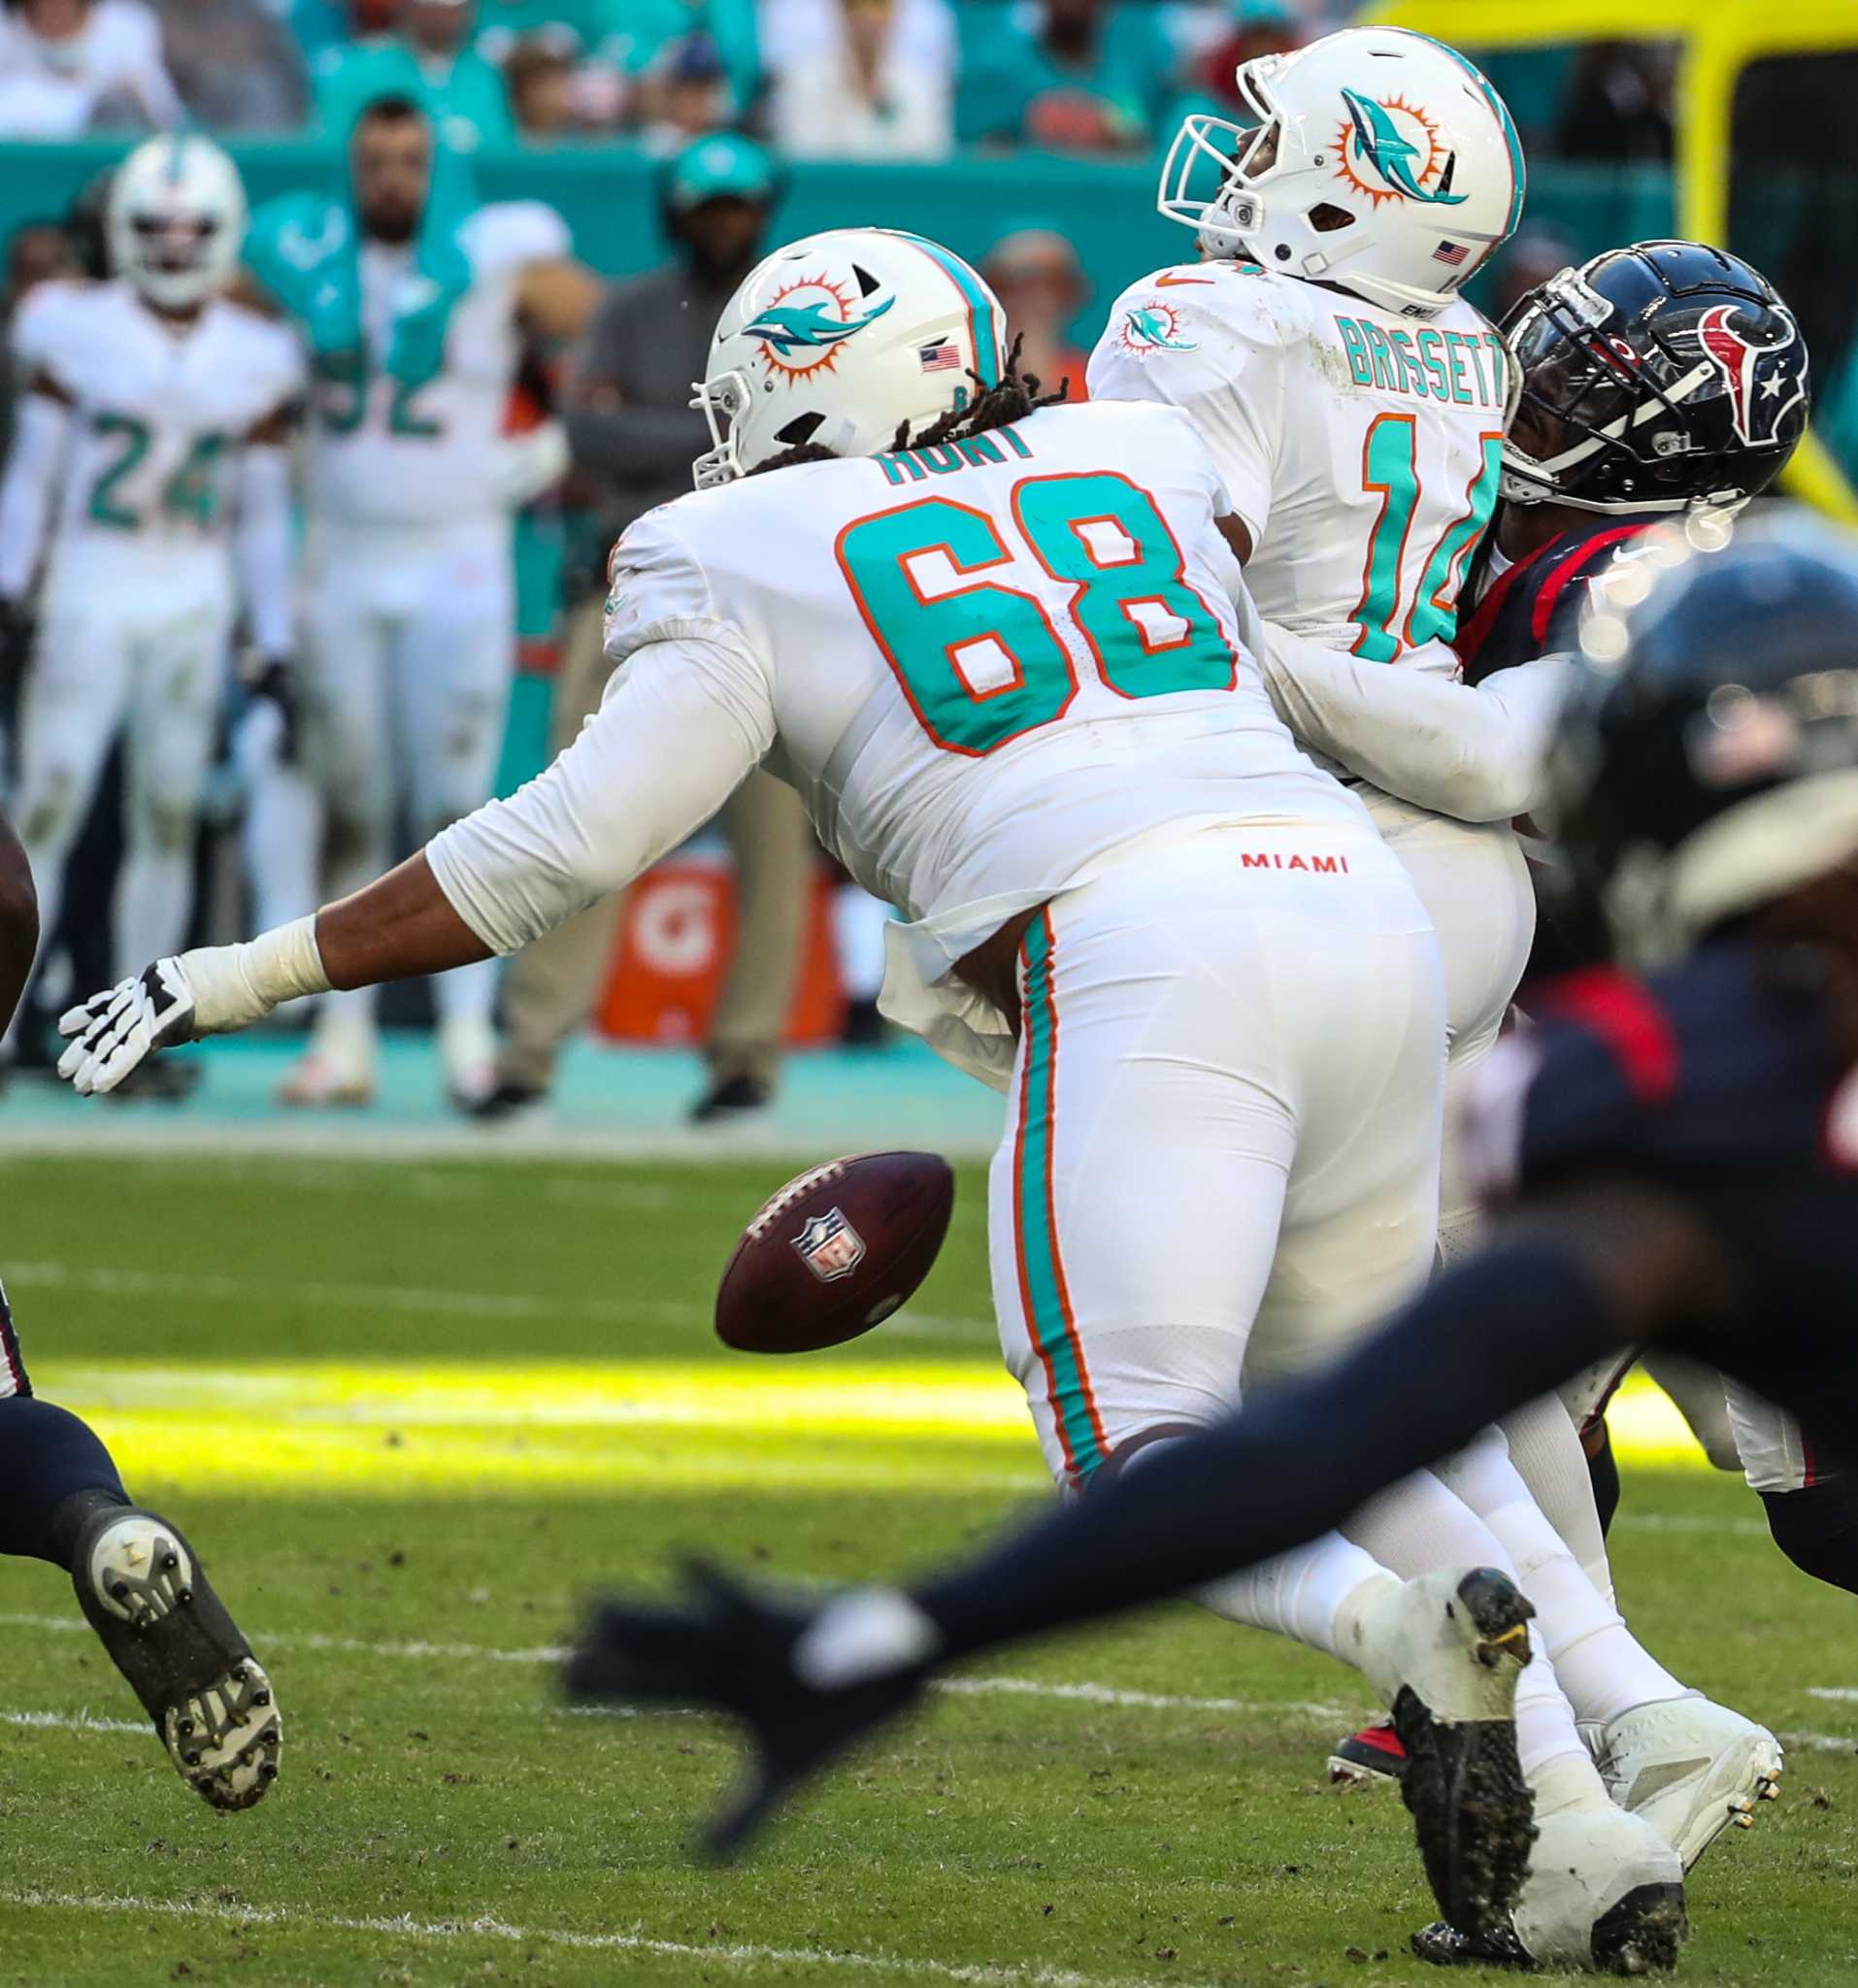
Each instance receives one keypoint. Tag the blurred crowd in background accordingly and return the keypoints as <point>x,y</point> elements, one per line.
<point>818,78</point>
<point>700,104</point>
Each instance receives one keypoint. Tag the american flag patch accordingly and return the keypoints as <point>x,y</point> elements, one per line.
<point>1453,252</point>
<point>939,359</point>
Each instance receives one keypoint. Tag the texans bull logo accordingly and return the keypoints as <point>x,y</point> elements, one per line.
<point>1764,383</point>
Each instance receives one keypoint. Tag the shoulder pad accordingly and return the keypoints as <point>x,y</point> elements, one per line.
<point>657,588</point>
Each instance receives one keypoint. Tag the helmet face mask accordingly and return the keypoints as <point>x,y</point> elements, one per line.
<point>1656,377</point>
<point>1383,163</point>
<point>176,221</point>
<point>840,339</point>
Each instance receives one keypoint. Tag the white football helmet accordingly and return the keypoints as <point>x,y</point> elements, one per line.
<point>176,219</point>
<point>1385,163</point>
<point>837,340</point>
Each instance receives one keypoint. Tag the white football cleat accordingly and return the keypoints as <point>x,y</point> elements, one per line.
<point>1690,1768</point>
<point>1447,1650</point>
<point>1604,1894</point>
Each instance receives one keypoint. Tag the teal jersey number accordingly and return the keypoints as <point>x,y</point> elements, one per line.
<point>346,377</point>
<point>985,663</point>
<point>104,506</point>
<point>1390,465</point>
<point>192,493</point>
<point>1434,607</point>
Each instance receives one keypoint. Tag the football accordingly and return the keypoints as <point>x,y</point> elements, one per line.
<point>835,1252</point>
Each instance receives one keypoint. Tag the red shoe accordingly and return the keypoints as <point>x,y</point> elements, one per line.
<point>1365,1759</point>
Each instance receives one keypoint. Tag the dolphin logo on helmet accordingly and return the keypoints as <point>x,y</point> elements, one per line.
<point>1392,157</point>
<point>787,326</point>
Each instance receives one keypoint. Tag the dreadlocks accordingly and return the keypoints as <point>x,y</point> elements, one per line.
<point>1016,396</point>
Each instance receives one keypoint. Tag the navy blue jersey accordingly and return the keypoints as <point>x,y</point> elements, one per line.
<point>1533,608</point>
<point>1721,1082</point>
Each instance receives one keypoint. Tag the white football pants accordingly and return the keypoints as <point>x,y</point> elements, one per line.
<point>406,689</point>
<point>1225,1110</point>
<point>132,639</point>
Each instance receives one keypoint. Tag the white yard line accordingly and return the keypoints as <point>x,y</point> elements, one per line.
<point>1821,1742</point>
<point>76,1722</point>
<point>489,1928</point>
<point>555,1653</point>
<point>1840,1694</point>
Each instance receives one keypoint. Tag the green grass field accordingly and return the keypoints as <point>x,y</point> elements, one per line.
<point>415,1414</point>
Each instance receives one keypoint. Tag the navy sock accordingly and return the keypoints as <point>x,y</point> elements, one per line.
<point>55,1471</point>
<point>1817,1529</point>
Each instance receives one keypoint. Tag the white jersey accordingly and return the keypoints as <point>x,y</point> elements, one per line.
<point>386,454</point>
<point>1361,448</point>
<point>159,411</point>
<point>984,665</point>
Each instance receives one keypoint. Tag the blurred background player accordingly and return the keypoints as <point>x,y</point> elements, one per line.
<point>632,429</point>
<point>415,301</point>
<point>139,1583</point>
<point>148,469</point>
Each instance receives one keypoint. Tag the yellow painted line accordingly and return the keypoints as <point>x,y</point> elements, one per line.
<point>406,1428</point>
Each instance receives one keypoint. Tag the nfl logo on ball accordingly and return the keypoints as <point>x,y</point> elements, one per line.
<point>830,1247</point>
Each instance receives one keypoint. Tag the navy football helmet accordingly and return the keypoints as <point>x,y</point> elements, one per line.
<point>1657,378</point>
<point>1706,760</point>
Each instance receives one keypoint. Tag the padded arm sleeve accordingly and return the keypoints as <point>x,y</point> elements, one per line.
<point>681,726</point>
<point>41,427</point>
<point>1474,755</point>
<point>262,545</point>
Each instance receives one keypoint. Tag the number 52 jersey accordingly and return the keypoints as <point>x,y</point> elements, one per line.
<point>159,413</point>
<point>985,666</point>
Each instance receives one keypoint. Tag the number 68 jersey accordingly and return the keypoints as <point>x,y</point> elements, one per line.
<point>158,413</point>
<point>984,665</point>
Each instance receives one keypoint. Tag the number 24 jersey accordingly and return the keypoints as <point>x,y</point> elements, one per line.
<point>159,411</point>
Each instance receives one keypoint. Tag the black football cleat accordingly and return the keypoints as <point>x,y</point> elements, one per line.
<point>144,1591</point>
<point>1374,1757</point>
<point>729,1650</point>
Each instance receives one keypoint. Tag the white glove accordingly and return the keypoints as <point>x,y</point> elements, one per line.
<point>116,1031</point>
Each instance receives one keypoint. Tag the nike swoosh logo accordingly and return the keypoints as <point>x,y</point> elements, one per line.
<point>1165,281</point>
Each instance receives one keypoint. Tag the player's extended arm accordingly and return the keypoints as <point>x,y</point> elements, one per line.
<point>683,723</point>
<point>1431,740</point>
<point>42,427</point>
<point>19,922</point>
<point>1560,1289</point>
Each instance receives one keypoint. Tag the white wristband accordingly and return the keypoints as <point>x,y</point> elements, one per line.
<point>235,985</point>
